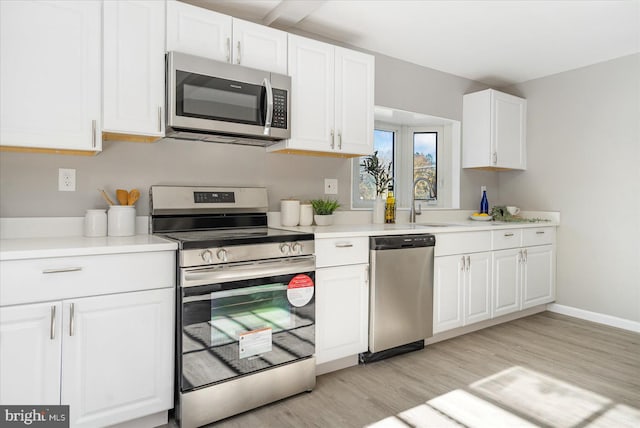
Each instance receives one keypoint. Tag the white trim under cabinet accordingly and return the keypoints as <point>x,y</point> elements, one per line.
<point>332,91</point>
<point>134,67</point>
<point>50,74</point>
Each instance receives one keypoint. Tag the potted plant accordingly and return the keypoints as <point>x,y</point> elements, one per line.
<point>381,174</point>
<point>323,211</point>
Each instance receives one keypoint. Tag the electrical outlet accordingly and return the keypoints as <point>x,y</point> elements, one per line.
<point>330,186</point>
<point>66,180</point>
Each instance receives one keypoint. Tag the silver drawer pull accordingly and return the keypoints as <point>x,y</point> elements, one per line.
<point>508,234</point>
<point>52,334</point>
<point>345,245</point>
<point>540,232</point>
<point>62,270</point>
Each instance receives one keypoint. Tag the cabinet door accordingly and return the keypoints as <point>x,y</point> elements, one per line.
<point>133,95</point>
<point>508,129</point>
<point>448,291</point>
<point>477,292</point>
<point>197,31</point>
<point>311,67</point>
<point>354,91</point>
<point>342,311</point>
<point>506,281</point>
<point>539,276</point>
<point>118,356</point>
<point>30,354</point>
<point>260,47</point>
<point>50,74</point>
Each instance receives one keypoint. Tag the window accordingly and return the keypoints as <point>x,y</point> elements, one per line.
<point>384,143</point>
<point>425,171</point>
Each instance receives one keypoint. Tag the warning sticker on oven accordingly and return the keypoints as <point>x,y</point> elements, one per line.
<point>300,290</point>
<point>254,342</point>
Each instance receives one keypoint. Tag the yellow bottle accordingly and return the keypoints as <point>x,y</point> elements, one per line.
<point>390,207</point>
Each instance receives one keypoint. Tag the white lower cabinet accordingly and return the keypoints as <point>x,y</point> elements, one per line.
<point>342,311</point>
<point>462,290</point>
<point>507,282</point>
<point>538,285</point>
<point>108,356</point>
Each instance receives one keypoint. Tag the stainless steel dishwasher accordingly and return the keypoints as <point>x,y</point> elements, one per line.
<point>401,294</point>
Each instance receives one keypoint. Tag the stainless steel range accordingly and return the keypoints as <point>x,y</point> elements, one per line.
<point>245,311</point>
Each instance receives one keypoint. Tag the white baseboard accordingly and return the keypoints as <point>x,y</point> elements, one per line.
<point>595,317</point>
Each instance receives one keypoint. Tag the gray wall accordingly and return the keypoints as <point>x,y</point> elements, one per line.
<point>583,148</point>
<point>28,182</point>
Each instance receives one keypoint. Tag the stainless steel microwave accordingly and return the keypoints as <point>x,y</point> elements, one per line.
<point>221,102</point>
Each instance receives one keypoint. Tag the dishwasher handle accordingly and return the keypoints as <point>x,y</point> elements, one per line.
<point>394,242</point>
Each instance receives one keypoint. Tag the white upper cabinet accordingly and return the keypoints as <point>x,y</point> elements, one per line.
<point>202,32</point>
<point>260,47</point>
<point>50,74</point>
<point>133,80</point>
<point>494,131</point>
<point>332,102</point>
<point>197,31</point>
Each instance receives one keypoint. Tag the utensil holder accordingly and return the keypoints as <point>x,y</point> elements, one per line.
<point>122,220</point>
<point>95,223</point>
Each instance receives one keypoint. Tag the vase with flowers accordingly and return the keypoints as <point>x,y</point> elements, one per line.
<point>380,171</point>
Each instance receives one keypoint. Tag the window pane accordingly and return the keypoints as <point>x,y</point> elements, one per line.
<point>382,143</point>
<point>424,164</point>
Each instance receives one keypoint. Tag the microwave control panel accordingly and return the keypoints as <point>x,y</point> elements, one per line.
<point>279,119</point>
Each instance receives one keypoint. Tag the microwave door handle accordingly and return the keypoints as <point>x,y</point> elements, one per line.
<point>267,119</point>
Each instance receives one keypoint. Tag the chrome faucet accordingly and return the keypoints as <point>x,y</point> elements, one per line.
<point>413,212</point>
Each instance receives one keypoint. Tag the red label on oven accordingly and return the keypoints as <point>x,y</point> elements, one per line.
<point>300,290</point>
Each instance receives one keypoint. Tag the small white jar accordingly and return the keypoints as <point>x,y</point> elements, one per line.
<point>122,220</point>
<point>95,223</point>
<point>306,215</point>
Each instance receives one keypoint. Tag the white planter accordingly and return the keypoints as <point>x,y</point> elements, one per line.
<point>378,210</point>
<point>323,220</point>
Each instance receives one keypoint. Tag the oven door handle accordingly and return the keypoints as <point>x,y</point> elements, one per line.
<point>242,271</point>
<point>236,292</point>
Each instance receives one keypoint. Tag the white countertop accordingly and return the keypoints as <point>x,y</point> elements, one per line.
<point>344,230</point>
<point>30,248</point>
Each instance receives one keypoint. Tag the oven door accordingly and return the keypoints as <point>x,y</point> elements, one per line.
<point>247,318</point>
<point>211,96</point>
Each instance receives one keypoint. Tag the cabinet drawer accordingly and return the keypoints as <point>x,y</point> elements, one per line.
<point>39,280</point>
<point>462,243</point>
<point>539,236</point>
<point>507,238</point>
<point>342,251</point>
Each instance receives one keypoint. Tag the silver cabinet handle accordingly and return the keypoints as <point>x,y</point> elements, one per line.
<point>366,275</point>
<point>159,118</point>
<point>228,49</point>
<point>526,256</point>
<point>62,270</point>
<point>339,140</point>
<point>540,232</point>
<point>267,120</point>
<point>52,333</point>
<point>508,234</point>
<point>344,245</point>
<point>72,309</point>
<point>93,133</point>
<point>333,140</point>
<point>495,158</point>
<point>463,263</point>
<point>519,257</point>
<point>238,59</point>
<point>468,263</point>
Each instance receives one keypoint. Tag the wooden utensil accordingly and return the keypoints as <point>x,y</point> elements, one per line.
<point>134,195</point>
<point>106,197</point>
<point>122,196</point>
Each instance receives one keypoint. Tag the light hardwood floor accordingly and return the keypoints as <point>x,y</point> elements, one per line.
<point>544,370</point>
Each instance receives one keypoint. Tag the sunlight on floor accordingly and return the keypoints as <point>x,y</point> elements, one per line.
<point>517,397</point>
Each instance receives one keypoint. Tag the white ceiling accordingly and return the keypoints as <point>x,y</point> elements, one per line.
<point>495,42</point>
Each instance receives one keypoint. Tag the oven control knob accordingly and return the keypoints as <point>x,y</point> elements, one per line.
<point>297,248</point>
<point>285,249</point>
<point>222,255</point>
<point>206,256</point>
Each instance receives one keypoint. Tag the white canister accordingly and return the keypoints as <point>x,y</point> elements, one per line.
<point>95,223</point>
<point>289,212</point>
<point>122,220</point>
<point>306,215</point>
